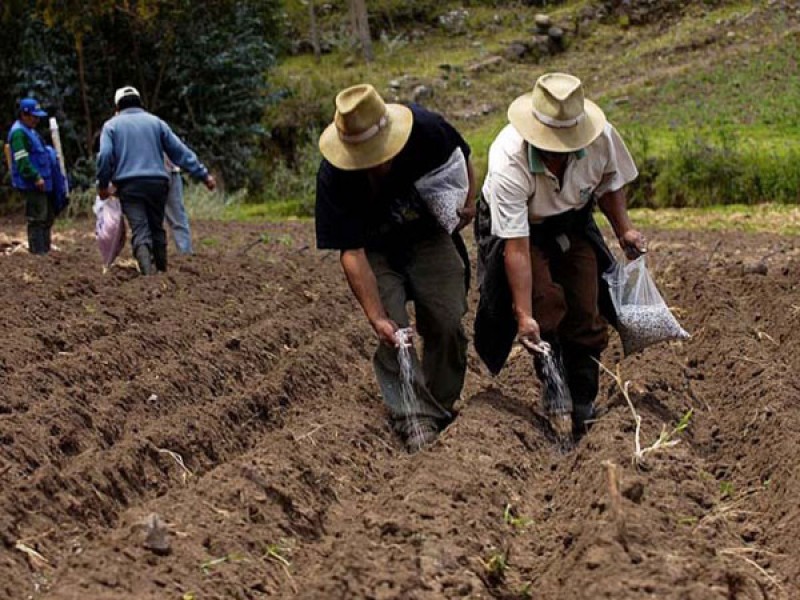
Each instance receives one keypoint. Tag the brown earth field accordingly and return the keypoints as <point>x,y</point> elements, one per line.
<point>232,401</point>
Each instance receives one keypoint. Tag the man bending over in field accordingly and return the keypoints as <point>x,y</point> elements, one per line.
<point>393,250</point>
<point>540,252</point>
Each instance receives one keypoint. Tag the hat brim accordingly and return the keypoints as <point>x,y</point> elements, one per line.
<point>38,113</point>
<point>375,151</point>
<point>553,139</point>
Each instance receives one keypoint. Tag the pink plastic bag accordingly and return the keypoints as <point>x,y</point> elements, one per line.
<point>109,229</point>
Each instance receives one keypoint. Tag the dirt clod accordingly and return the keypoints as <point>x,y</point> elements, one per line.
<point>634,491</point>
<point>157,536</point>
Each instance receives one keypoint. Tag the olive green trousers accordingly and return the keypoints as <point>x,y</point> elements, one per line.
<point>431,277</point>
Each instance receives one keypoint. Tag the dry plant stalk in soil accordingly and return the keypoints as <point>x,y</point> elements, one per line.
<point>613,477</point>
<point>664,439</point>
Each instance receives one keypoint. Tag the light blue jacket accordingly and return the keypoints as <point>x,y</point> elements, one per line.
<point>133,145</point>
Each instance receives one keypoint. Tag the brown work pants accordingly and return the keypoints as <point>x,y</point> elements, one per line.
<point>565,294</point>
<point>565,304</point>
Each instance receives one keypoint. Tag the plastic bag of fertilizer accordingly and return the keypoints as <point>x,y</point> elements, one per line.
<point>445,189</point>
<point>109,228</point>
<point>644,318</point>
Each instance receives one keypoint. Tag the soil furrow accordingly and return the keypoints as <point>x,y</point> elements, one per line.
<point>296,486</point>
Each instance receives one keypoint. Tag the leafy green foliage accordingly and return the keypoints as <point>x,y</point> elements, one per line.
<point>714,168</point>
<point>385,16</point>
<point>201,66</point>
<point>219,60</point>
<point>295,185</point>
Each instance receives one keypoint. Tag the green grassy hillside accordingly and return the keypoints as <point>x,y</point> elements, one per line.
<point>708,98</point>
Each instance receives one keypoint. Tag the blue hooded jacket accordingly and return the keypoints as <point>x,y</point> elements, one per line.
<point>39,157</point>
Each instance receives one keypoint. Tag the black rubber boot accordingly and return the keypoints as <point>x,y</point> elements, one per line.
<point>145,260</point>
<point>583,373</point>
<point>47,237</point>
<point>36,240</point>
<point>417,432</point>
<point>160,257</point>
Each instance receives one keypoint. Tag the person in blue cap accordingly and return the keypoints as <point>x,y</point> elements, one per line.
<point>32,173</point>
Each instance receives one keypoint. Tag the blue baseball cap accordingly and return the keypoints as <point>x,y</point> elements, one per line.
<point>30,106</point>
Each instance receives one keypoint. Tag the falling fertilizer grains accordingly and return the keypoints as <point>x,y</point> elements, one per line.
<point>408,396</point>
<point>556,398</point>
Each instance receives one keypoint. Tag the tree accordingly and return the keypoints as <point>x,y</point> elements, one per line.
<point>201,66</point>
<point>312,19</point>
<point>360,24</point>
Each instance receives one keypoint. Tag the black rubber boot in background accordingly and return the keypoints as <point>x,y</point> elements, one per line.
<point>145,260</point>
<point>160,257</point>
<point>583,374</point>
<point>36,240</point>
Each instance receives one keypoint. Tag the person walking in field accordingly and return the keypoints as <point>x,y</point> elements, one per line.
<point>33,173</point>
<point>132,148</point>
<point>175,211</point>
<point>541,255</point>
<point>392,249</point>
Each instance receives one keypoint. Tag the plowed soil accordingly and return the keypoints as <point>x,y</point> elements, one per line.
<point>232,399</point>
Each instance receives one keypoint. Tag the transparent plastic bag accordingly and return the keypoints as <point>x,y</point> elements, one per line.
<point>644,318</point>
<point>445,189</point>
<point>109,229</point>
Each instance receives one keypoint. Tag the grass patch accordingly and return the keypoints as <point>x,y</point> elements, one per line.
<point>202,204</point>
<point>209,242</point>
<point>763,218</point>
<point>708,103</point>
<point>755,89</point>
<point>711,168</point>
<point>267,211</point>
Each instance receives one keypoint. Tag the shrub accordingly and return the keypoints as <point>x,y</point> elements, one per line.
<point>295,187</point>
<point>701,169</point>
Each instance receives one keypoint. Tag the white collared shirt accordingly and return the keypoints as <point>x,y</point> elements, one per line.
<point>521,191</point>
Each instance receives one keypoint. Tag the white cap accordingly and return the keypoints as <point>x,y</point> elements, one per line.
<point>125,91</point>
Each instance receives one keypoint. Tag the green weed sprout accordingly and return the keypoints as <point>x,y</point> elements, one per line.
<point>496,567</point>
<point>725,489</point>
<point>214,562</point>
<point>277,553</point>
<point>517,522</point>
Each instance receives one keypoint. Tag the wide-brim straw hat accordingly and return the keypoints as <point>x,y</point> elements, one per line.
<point>555,116</point>
<point>366,131</point>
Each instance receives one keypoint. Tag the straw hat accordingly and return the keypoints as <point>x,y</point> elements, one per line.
<point>555,116</point>
<point>365,131</point>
